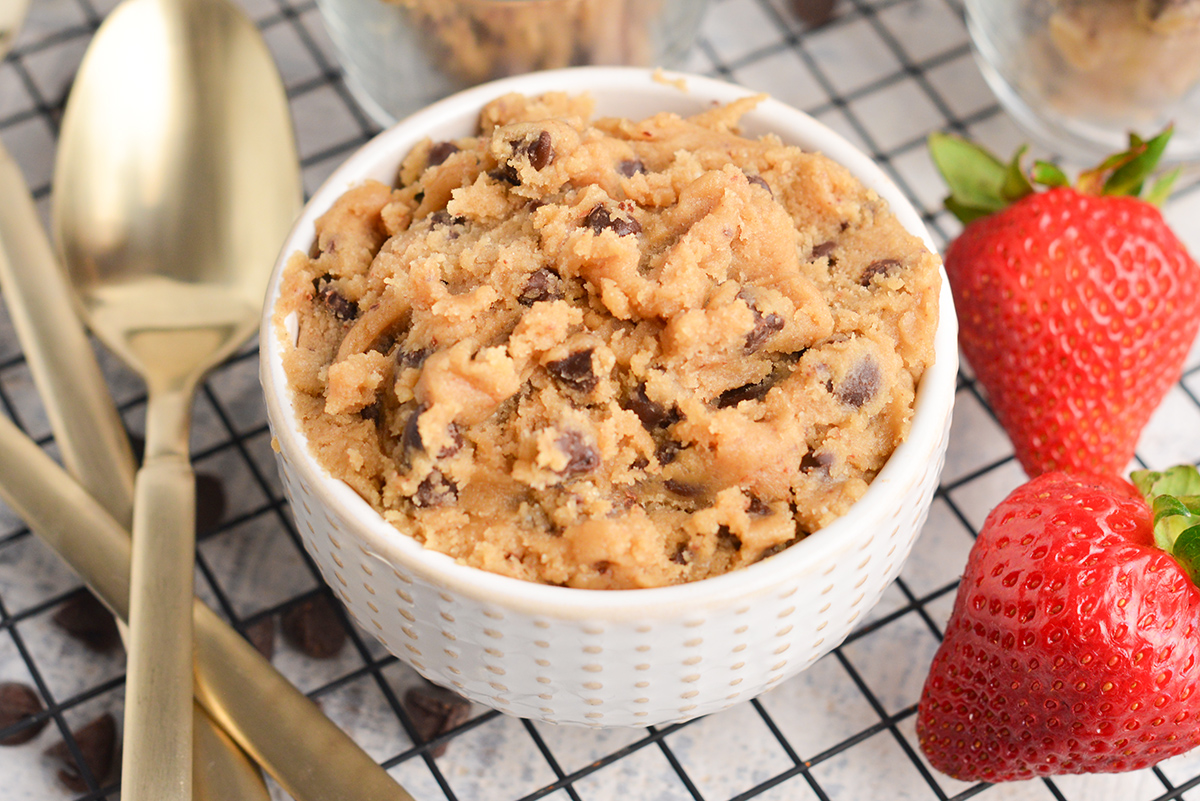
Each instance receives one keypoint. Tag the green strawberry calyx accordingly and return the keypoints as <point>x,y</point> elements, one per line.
<point>981,184</point>
<point>1174,498</point>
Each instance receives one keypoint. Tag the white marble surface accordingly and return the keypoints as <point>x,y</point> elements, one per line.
<point>884,73</point>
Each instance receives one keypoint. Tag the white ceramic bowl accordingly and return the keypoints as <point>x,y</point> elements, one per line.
<point>624,657</point>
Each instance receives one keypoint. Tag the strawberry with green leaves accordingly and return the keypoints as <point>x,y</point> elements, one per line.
<point>1077,304</point>
<point>1074,643</point>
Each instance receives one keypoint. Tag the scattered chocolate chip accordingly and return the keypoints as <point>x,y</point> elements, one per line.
<point>631,167</point>
<point>18,703</point>
<point>337,303</point>
<point>880,267</point>
<point>411,358</point>
<point>640,463</point>
<point>860,384</point>
<point>313,627</point>
<point>732,397</point>
<point>86,619</point>
<point>575,371</point>
<point>603,567</point>
<point>410,438</point>
<point>506,173</point>
<point>542,285</point>
<point>683,489</point>
<point>682,554</point>
<point>97,743</point>
<point>435,490</point>
<point>262,636</point>
<point>653,415</point>
<point>320,283</point>
<point>816,462</point>
<point>371,412</point>
<point>440,152</point>
<point>758,507</point>
<point>435,711</point>
<point>599,219</point>
<point>667,451</point>
<point>758,180</point>
<point>779,547</point>
<point>540,151</point>
<point>727,539</point>
<point>765,327</point>
<point>824,249</point>
<point>581,456</point>
<point>210,503</point>
<point>813,13</point>
<point>442,217</point>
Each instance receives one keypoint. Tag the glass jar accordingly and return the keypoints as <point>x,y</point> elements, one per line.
<point>1084,74</point>
<point>400,55</point>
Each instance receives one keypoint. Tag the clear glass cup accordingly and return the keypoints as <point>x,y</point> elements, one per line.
<point>1083,74</point>
<point>400,55</point>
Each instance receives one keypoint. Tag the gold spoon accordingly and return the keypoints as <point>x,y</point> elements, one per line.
<point>176,180</point>
<point>80,408</point>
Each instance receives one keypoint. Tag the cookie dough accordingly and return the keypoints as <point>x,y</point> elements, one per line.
<point>608,354</point>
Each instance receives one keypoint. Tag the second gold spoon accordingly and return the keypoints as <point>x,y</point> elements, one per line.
<point>176,177</point>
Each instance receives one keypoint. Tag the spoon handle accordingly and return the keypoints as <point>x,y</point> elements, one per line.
<point>310,757</point>
<point>87,428</point>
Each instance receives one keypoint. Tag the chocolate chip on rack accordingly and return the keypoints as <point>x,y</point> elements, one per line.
<point>314,628</point>
<point>19,703</point>
<point>86,619</point>
<point>435,711</point>
<point>97,743</point>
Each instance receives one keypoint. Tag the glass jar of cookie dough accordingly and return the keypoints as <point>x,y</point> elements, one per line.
<point>1084,74</point>
<point>400,55</point>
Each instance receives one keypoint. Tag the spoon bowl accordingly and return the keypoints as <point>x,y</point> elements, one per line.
<point>176,179</point>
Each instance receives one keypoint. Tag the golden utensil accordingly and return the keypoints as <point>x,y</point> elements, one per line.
<point>82,414</point>
<point>176,179</point>
<point>310,757</point>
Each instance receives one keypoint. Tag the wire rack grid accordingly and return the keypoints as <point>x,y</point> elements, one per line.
<point>884,73</point>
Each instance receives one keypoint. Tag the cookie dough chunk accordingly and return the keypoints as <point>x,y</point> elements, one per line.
<point>608,353</point>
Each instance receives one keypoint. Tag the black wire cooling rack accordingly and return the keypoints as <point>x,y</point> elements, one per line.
<point>882,72</point>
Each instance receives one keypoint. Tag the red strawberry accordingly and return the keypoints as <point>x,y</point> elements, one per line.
<point>1076,305</point>
<point>1074,644</point>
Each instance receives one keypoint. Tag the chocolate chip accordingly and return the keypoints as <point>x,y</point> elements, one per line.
<point>816,462</point>
<point>439,152</point>
<point>97,743</point>
<point>765,327</point>
<point>506,173</point>
<point>758,180</point>
<point>435,490</point>
<point>732,397</point>
<point>824,249</point>
<point>87,620</point>
<point>435,711</point>
<point>542,285</point>
<point>860,384</point>
<point>653,415</point>
<point>540,151</point>
<point>210,503</point>
<point>410,438</point>
<point>727,539</point>
<point>337,303</point>
<point>441,217</point>
<point>599,219</point>
<point>682,554</point>
<point>411,358</point>
<point>262,636</point>
<point>880,267</point>
<point>313,627</point>
<point>371,412</point>
<point>581,456</point>
<point>631,167</point>
<point>667,452</point>
<point>575,371</point>
<point>814,13</point>
<point>683,489</point>
<point>758,507</point>
<point>19,703</point>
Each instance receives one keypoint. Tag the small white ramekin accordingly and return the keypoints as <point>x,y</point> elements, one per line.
<point>624,657</point>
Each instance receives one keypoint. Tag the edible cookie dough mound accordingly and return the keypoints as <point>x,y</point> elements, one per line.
<point>608,354</point>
